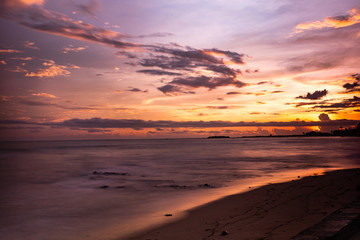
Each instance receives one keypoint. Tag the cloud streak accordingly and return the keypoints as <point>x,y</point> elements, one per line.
<point>332,22</point>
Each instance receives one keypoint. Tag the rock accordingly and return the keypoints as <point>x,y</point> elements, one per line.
<point>105,186</point>
<point>168,215</point>
<point>224,233</point>
<point>110,173</point>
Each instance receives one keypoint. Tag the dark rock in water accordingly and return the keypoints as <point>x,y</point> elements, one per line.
<point>110,173</point>
<point>224,233</point>
<point>219,137</point>
<point>168,215</point>
<point>105,186</point>
<point>205,185</point>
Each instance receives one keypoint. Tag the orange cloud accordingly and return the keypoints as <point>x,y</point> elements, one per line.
<point>332,22</point>
<point>16,3</point>
<point>51,70</point>
<point>44,95</point>
<point>9,51</point>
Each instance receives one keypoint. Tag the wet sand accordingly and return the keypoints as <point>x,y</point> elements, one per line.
<point>299,209</point>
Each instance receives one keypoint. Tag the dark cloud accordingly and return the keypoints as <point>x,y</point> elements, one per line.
<point>100,123</point>
<point>173,90</point>
<point>233,93</point>
<point>207,82</point>
<point>234,56</point>
<point>330,106</point>
<point>345,103</point>
<point>159,72</point>
<point>192,54</point>
<point>136,90</point>
<point>315,95</point>
<point>223,69</point>
<point>260,83</point>
<point>165,62</point>
<point>355,86</point>
<point>57,23</point>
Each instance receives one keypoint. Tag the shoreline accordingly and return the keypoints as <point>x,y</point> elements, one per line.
<point>274,211</point>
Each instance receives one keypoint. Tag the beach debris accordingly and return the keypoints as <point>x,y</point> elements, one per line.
<point>224,233</point>
<point>168,215</point>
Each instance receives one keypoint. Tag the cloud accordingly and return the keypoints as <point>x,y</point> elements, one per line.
<point>192,54</point>
<point>330,106</point>
<point>159,72</point>
<point>165,62</point>
<point>51,70</point>
<point>207,82</point>
<point>355,86</point>
<point>159,34</point>
<point>315,95</point>
<point>10,51</point>
<point>49,104</point>
<point>30,45</point>
<point>57,23</point>
<point>323,117</point>
<point>331,22</point>
<point>99,123</point>
<point>71,48</point>
<point>345,103</point>
<point>211,63</point>
<point>234,56</point>
<point>125,54</point>
<point>172,90</point>
<point>136,90</point>
<point>44,95</point>
<point>90,8</point>
<point>21,3</point>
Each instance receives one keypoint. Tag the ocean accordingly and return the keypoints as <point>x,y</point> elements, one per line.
<point>108,189</point>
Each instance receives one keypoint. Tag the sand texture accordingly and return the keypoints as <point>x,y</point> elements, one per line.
<point>298,209</point>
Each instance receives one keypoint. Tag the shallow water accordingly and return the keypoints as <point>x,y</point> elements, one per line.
<point>106,189</point>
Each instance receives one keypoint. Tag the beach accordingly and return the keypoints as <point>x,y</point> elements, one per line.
<point>304,208</point>
<point>115,189</point>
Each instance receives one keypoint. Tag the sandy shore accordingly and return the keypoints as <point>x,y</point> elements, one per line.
<point>276,211</point>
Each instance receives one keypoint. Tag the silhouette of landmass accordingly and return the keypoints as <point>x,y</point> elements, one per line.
<point>343,132</point>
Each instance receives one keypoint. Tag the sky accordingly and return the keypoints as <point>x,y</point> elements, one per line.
<point>105,69</point>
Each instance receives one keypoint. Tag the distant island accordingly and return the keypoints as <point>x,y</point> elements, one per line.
<point>219,137</point>
<point>342,132</point>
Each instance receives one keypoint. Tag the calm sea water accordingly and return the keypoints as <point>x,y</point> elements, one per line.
<point>59,190</point>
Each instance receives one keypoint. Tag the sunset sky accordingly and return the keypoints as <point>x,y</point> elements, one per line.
<point>87,69</point>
